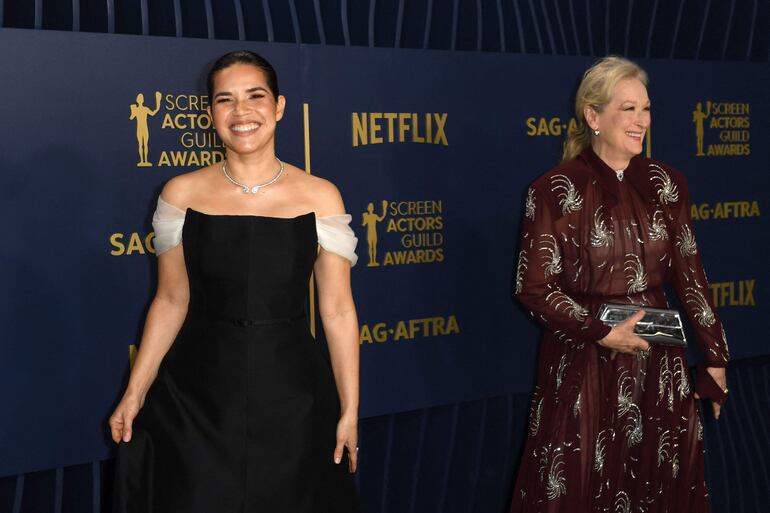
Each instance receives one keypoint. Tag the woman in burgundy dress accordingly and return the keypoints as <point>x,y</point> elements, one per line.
<point>614,424</point>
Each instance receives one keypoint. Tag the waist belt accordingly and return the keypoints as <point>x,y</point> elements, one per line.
<point>249,323</point>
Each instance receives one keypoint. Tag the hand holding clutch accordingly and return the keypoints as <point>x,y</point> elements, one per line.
<point>658,326</point>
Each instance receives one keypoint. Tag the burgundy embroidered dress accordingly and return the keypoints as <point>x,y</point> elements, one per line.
<point>611,435</point>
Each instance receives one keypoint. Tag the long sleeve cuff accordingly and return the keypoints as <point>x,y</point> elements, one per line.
<point>594,329</point>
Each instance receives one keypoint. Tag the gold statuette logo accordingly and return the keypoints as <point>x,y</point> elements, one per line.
<point>413,232</point>
<point>193,143</point>
<point>722,129</point>
<point>370,220</point>
<point>139,113</point>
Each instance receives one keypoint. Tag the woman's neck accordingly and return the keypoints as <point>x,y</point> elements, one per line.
<point>611,158</point>
<point>257,167</point>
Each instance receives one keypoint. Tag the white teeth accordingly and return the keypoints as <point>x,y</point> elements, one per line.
<point>634,134</point>
<point>245,128</point>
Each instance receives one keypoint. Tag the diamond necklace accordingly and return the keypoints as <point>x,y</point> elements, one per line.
<point>256,188</point>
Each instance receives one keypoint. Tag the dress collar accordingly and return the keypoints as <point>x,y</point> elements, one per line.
<point>607,178</point>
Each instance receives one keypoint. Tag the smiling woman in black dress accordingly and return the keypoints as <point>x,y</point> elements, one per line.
<point>231,406</point>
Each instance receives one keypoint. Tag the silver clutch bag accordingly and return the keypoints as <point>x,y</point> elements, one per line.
<point>658,326</point>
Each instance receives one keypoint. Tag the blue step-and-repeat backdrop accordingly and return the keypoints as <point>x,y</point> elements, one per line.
<point>432,152</point>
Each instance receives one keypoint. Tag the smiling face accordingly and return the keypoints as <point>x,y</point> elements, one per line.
<point>244,110</point>
<point>622,123</point>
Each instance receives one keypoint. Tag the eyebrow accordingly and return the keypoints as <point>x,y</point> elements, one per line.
<point>249,90</point>
<point>624,102</point>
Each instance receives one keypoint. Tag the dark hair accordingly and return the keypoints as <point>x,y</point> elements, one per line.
<point>243,57</point>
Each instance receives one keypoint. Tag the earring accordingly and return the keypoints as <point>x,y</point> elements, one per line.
<point>596,131</point>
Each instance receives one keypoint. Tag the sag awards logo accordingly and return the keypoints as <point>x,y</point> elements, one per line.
<point>724,210</point>
<point>413,232</point>
<point>722,129</point>
<point>192,141</point>
<point>551,127</point>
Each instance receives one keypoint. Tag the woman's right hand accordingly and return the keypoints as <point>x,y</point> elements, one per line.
<point>621,338</point>
<point>122,419</point>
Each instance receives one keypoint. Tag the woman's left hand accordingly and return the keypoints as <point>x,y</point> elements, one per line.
<point>718,373</point>
<point>347,438</point>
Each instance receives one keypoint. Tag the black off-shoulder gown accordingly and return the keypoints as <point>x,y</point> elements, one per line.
<point>242,415</point>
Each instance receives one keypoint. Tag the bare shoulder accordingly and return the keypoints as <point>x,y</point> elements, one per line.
<point>322,195</point>
<point>180,190</point>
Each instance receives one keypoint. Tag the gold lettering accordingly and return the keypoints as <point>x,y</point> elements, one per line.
<point>401,331</point>
<point>390,117</point>
<point>403,125</point>
<point>440,125</point>
<point>452,326</point>
<point>360,134</point>
<point>167,122</point>
<point>365,335</point>
<point>374,128</point>
<point>135,244</point>
<point>531,128</point>
<point>116,241</point>
<point>416,137</point>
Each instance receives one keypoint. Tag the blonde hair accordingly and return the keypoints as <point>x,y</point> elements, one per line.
<point>595,90</point>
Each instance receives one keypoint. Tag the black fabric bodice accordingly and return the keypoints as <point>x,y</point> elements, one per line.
<point>248,267</point>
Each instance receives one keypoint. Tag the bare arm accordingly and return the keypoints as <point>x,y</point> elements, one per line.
<point>164,319</point>
<point>340,323</point>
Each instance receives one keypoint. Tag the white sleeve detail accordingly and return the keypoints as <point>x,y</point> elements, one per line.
<point>336,236</point>
<point>167,221</point>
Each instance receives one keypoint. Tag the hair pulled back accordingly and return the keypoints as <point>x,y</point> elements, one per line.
<point>596,90</point>
<point>243,57</point>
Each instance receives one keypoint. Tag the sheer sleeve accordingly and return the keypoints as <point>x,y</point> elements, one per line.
<point>539,277</point>
<point>692,287</point>
<point>167,221</point>
<point>336,236</point>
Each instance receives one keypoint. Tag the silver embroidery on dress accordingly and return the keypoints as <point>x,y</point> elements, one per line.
<point>664,445</point>
<point>561,301</point>
<point>556,485</point>
<point>563,363</point>
<point>703,313</point>
<point>520,267</point>
<point>657,228</point>
<point>601,233</point>
<point>552,260</point>
<point>666,383</point>
<point>599,450</point>
<point>529,206</point>
<point>637,278</point>
<point>675,466</point>
<point>625,382</point>
<point>633,429</point>
<point>700,429</point>
<point>726,350</point>
<point>685,241</point>
<point>576,406</point>
<point>680,374</point>
<point>622,503</point>
<point>534,416</point>
<point>664,185</point>
<point>569,198</point>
